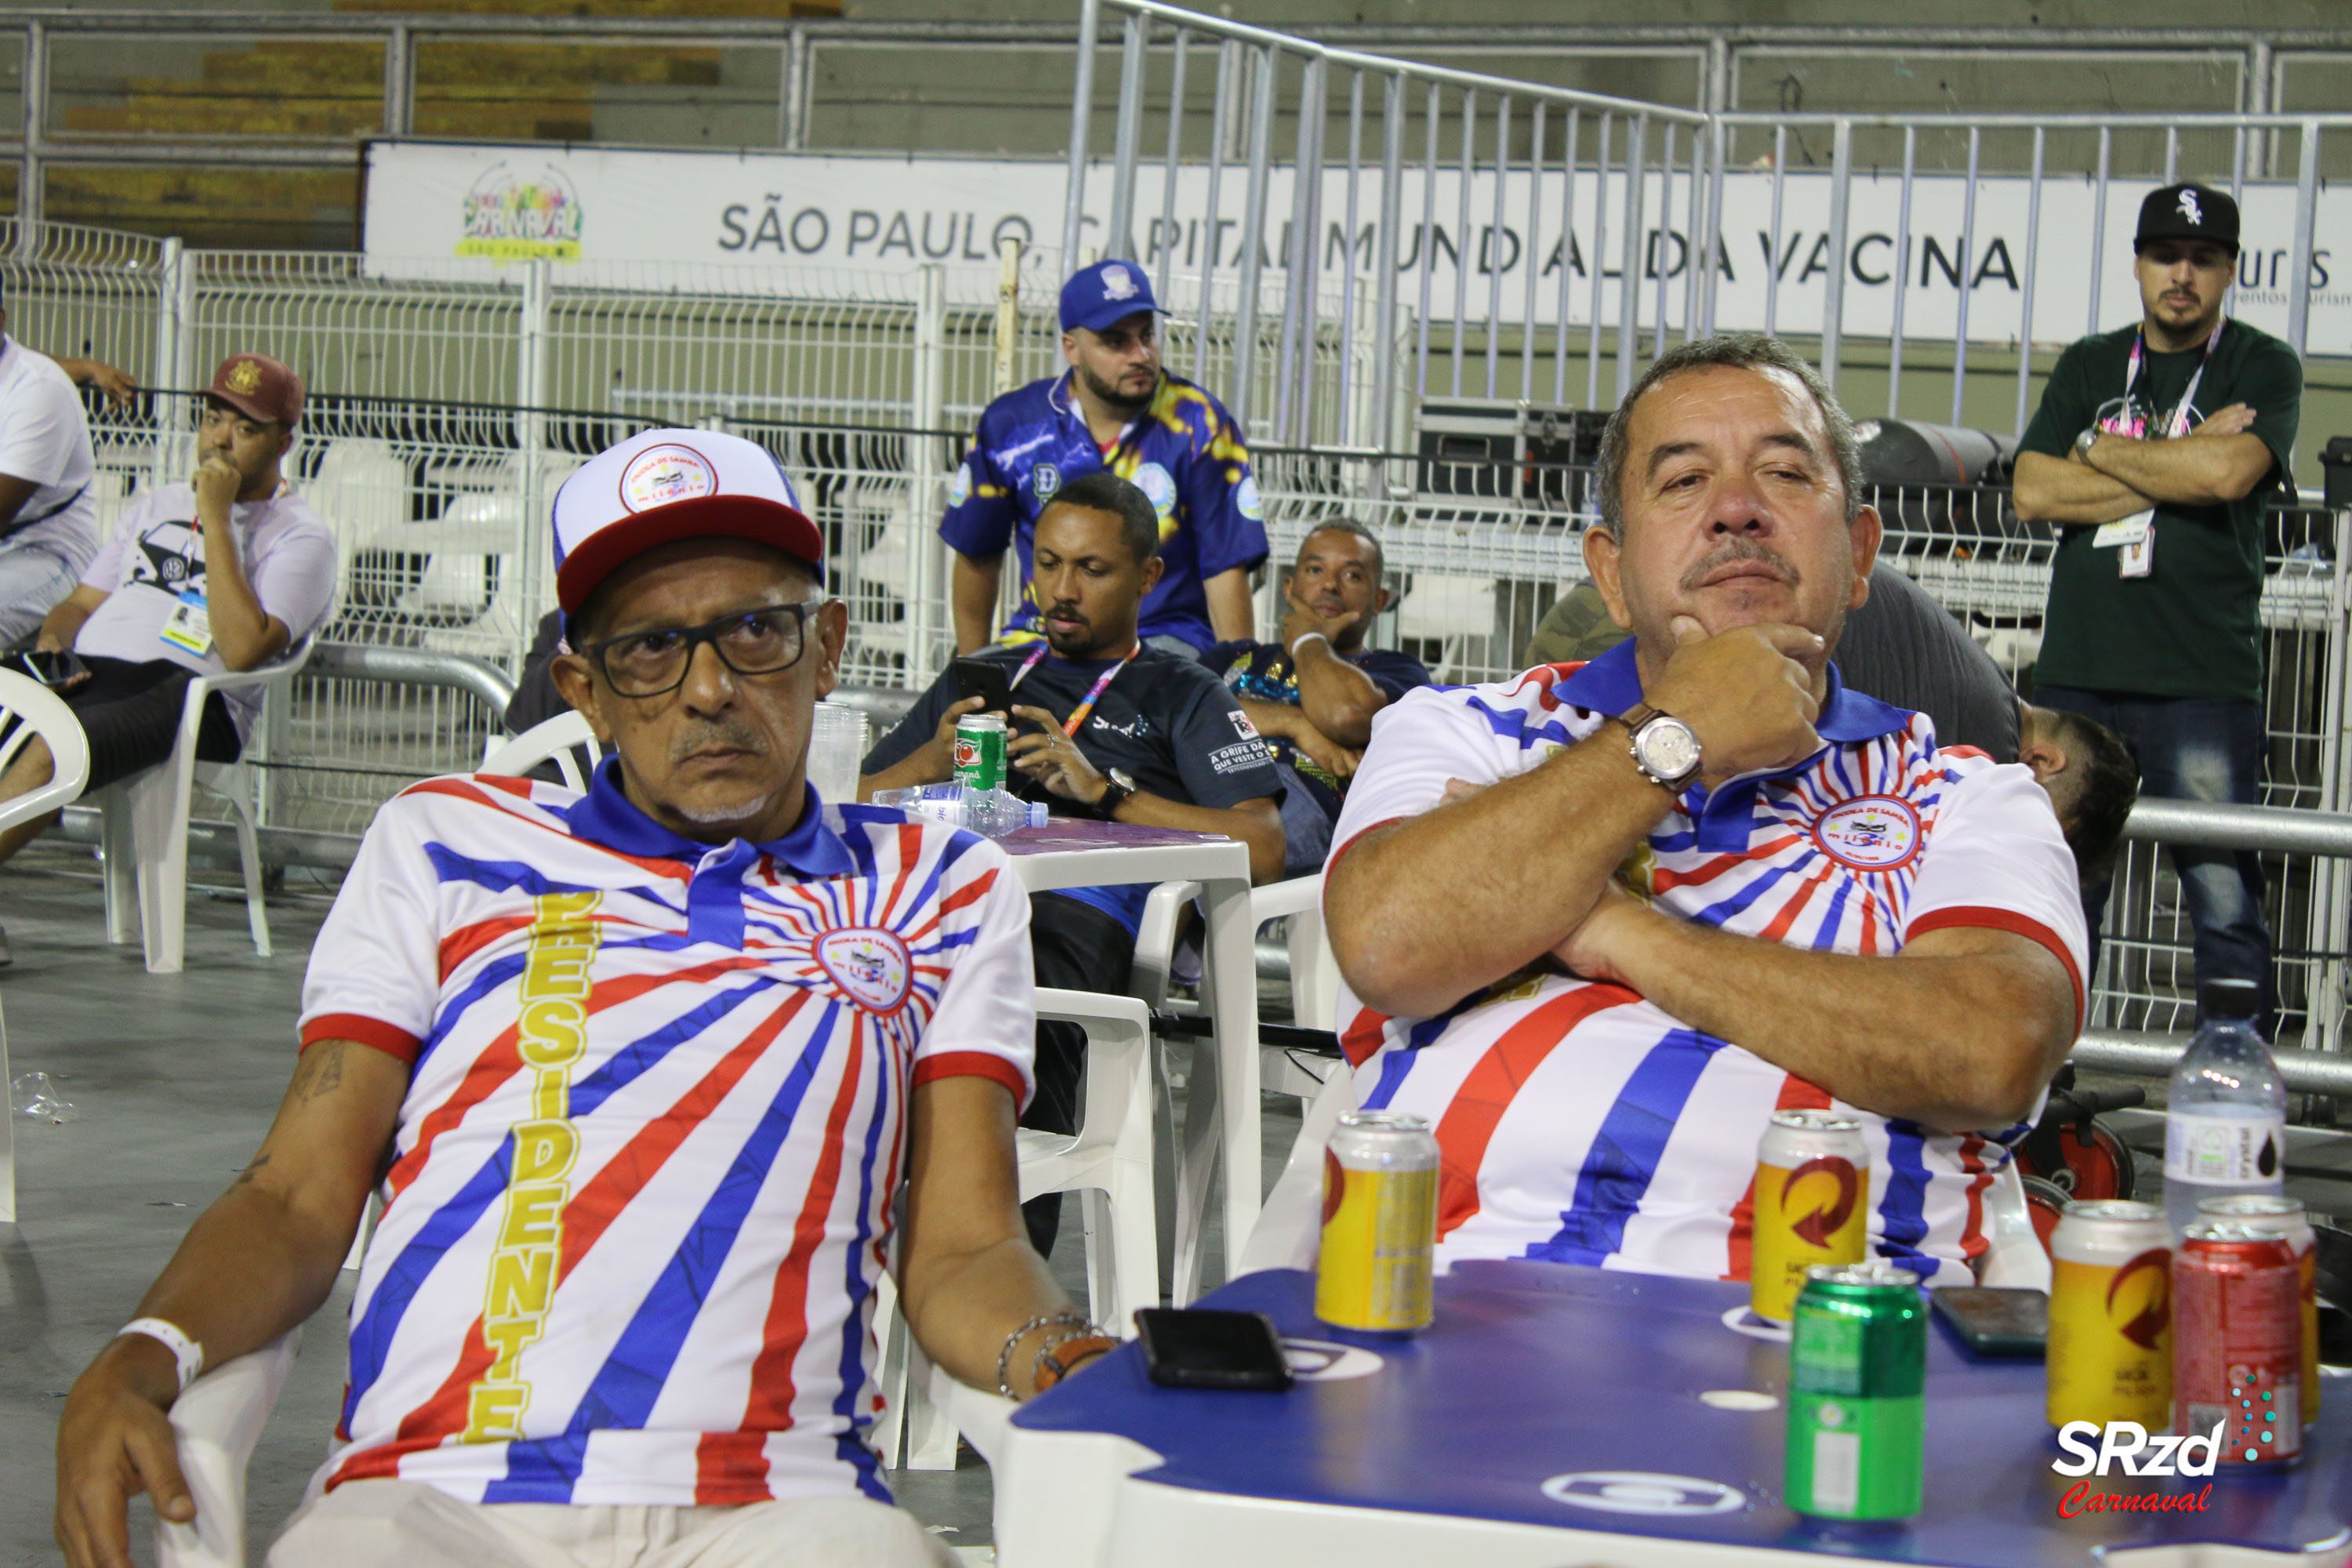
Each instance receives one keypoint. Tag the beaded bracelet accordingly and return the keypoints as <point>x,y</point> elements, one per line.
<point>1004,1356</point>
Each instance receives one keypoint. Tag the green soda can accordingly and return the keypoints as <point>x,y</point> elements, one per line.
<point>980,752</point>
<point>1857,1385</point>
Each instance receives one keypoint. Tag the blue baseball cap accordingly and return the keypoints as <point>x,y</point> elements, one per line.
<point>1105,294</point>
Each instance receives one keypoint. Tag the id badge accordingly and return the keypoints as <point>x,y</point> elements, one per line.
<point>190,627</point>
<point>2136,528</point>
<point>2137,558</point>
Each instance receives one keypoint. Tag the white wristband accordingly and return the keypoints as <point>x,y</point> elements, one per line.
<point>173,1338</point>
<point>1302,637</point>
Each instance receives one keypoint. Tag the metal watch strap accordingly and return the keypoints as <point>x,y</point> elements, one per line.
<point>1634,719</point>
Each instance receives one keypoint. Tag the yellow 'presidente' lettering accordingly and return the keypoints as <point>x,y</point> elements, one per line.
<point>550,1035</point>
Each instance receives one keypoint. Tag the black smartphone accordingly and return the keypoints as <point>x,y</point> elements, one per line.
<point>51,668</point>
<point>1994,1320</point>
<point>986,679</point>
<point>1196,1347</point>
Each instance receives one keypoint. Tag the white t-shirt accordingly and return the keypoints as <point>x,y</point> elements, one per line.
<point>1582,1124</point>
<point>641,1181</point>
<point>45,438</point>
<point>157,551</point>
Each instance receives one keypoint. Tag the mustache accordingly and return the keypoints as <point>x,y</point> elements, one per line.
<point>1741,550</point>
<point>1069,610</point>
<point>731,734</point>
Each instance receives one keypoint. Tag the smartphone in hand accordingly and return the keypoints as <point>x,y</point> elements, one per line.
<point>986,679</point>
<point>51,669</point>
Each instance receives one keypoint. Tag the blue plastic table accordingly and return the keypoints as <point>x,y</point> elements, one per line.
<point>1559,1415</point>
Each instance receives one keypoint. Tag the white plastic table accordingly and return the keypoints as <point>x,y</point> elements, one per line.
<point>1221,1114</point>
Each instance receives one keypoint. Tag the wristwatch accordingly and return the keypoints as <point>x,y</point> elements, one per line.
<point>1120,787</point>
<point>1664,747</point>
<point>2087,439</point>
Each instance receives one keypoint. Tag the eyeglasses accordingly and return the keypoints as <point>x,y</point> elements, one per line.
<point>750,642</point>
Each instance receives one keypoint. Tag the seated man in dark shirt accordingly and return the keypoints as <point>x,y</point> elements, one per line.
<point>1102,726</point>
<point>1313,693</point>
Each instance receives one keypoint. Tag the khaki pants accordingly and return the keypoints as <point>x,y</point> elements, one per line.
<point>402,1524</point>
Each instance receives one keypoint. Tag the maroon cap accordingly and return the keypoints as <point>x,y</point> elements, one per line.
<point>259,388</point>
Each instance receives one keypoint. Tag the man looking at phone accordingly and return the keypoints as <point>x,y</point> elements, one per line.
<point>1313,693</point>
<point>1104,727</point>
<point>48,519</point>
<point>223,572</point>
<point>1597,928</point>
<point>1116,409</point>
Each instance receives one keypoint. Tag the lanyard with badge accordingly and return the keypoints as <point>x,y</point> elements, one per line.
<point>189,626</point>
<point>1094,694</point>
<point>2134,537</point>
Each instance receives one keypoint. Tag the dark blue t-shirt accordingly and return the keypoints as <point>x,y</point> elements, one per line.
<point>1264,670</point>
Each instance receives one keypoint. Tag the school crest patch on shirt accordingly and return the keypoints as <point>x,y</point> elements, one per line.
<point>870,965</point>
<point>1874,833</point>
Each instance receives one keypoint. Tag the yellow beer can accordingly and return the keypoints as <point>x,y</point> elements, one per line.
<point>1812,1204</point>
<point>1380,1224</point>
<point>2110,1351</point>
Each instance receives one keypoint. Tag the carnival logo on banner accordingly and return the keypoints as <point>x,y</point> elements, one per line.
<point>514,216</point>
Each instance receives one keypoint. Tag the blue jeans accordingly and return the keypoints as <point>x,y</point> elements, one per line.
<point>2195,748</point>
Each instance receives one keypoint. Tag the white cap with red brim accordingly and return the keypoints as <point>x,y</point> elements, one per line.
<point>667,485</point>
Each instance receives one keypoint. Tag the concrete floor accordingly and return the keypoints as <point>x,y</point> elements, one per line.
<point>176,1077</point>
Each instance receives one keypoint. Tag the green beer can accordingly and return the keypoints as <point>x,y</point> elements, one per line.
<point>1857,1385</point>
<point>980,752</point>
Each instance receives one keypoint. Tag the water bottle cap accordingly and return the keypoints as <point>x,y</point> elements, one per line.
<point>2230,999</point>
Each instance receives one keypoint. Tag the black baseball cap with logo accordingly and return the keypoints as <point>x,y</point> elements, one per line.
<point>2188,211</point>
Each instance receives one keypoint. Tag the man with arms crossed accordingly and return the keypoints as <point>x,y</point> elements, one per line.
<point>1312,693</point>
<point>640,1073</point>
<point>1599,929</point>
<point>1115,409</point>
<point>2154,626</point>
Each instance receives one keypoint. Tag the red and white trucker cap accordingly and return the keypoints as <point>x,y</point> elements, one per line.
<point>673,484</point>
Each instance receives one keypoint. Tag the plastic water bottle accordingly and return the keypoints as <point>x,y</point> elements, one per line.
<point>990,812</point>
<point>2225,1120</point>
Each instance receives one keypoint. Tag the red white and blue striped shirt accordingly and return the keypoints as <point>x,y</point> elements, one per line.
<point>641,1185</point>
<point>1580,1123</point>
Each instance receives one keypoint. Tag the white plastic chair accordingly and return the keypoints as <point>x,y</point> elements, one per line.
<point>1108,1164</point>
<point>37,712</point>
<point>550,739</point>
<point>143,824</point>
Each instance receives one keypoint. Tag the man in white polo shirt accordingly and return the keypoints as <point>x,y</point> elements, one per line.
<point>1598,928</point>
<point>642,1076</point>
<point>224,573</point>
<point>48,519</point>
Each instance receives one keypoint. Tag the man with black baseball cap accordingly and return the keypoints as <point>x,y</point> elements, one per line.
<point>2152,451</point>
<point>1115,408</point>
<point>223,571</point>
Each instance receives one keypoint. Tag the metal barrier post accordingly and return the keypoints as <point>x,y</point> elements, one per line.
<point>1490,249</point>
<point>1295,364</point>
<point>1834,296</point>
<point>1082,109</point>
<point>532,367</point>
<point>1229,56</point>
<point>1008,314</point>
<point>1253,230</point>
<point>34,99</point>
<point>1902,275</point>
<point>2306,211</point>
<point>791,92</point>
<point>1164,273</point>
<point>1118,239</point>
<point>399,80</point>
<point>1629,267</point>
<point>1968,261</point>
<point>1599,268</point>
<point>1384,261</point>
<point>1349,392</point>
<point>928,457</point>
<point>2324,1030</point>
<point>2032,266</point>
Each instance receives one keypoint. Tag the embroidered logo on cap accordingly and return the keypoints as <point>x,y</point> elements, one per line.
<point>2189,210</point>
<point>1117,282</point>
<point>660,475</point>
<point>1874,833</point>
<point>243,377</point>
<point>870,965</point>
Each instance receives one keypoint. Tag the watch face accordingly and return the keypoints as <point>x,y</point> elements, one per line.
<point>1669,750</point>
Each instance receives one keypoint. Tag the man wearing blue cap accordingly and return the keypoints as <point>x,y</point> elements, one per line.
<point>1115,408</point>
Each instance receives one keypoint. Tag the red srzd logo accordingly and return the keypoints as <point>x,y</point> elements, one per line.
<point>1816,1228</point>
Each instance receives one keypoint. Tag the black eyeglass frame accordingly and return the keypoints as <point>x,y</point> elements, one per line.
<point>708,631</point>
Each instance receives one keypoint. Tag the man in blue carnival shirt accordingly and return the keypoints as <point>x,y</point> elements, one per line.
<point>1115,408</point>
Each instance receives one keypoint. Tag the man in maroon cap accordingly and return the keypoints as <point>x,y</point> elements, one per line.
<point>224,573</point>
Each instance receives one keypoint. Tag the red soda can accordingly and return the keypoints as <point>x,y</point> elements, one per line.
<point>2237,1341</point>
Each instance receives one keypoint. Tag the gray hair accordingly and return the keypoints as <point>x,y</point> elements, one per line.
<point>1735,351</point>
